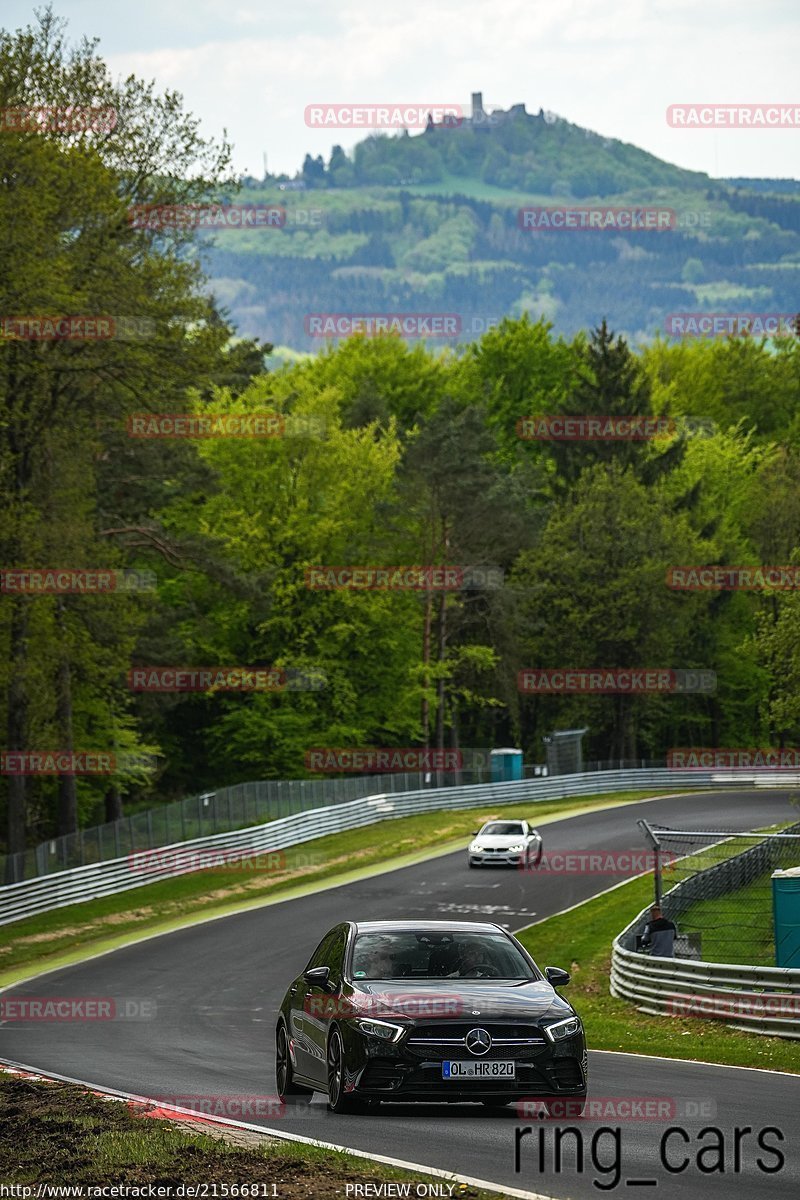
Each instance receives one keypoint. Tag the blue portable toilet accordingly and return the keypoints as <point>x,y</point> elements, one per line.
<point>506,765</point>
<point>786,910</point>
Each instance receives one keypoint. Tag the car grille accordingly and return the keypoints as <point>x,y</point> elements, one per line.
<point>442,1041</point>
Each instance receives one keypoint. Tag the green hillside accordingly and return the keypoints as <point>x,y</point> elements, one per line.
<point>430,223</point>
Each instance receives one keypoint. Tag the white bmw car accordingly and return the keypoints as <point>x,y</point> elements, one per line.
<point>513,843</point>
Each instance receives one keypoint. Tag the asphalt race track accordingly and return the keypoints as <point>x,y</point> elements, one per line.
<point>216,987</point>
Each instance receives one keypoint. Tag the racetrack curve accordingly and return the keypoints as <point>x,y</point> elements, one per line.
<point>216,987</point>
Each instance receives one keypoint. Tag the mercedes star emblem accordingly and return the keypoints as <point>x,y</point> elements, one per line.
<point>478,1041</point>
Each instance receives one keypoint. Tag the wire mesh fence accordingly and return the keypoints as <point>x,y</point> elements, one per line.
<point>716,886</point>
<point>245,804</point>
<point>228,808</point>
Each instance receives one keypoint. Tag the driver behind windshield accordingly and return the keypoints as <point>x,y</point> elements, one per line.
<point>373,961</point>
<point>472,963</point>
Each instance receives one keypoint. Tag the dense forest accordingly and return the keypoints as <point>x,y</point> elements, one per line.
<point>376,453</point>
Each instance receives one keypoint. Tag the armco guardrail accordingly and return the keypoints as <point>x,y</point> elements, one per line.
<point>19,900</point>
<point>227,808</point>
<point>239,805</point>
<point>756,999</point>
<point>683,987</point>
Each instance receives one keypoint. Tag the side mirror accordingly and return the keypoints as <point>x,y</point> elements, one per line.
<point>556,976</point>
<point>475,832</point>
<point>319,977</point>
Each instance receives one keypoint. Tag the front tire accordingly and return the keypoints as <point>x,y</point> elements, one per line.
<point>289,1091</point>
<point>340,1101</point>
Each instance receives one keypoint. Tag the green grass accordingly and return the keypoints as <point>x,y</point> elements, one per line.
<point>67,934</point>
<point>738,928</point>
<point>60,1134</point>
<point>580,941</point>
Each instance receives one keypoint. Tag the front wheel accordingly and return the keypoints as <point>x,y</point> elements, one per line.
<point>288,1090</point>
<point>340,1101</point>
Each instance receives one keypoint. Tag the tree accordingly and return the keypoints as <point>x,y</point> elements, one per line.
<point>77,252</point>
<point>594,596</point>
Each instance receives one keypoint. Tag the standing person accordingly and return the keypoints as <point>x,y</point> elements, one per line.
<point>659,934</point>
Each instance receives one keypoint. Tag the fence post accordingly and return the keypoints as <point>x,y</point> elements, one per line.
<point>652,838</point>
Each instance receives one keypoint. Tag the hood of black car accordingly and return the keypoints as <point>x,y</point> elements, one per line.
<point>458,999</point>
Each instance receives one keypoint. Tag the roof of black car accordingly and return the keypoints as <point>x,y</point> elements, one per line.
<point>473,926</point>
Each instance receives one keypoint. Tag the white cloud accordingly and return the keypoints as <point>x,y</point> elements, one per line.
<point>613,67</point>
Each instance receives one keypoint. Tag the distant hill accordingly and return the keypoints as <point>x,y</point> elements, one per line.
<point>429,223</point>
<point>512,149</point>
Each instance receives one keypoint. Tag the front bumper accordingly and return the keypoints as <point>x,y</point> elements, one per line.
<point>412,1070</point>
<point>497,858</point>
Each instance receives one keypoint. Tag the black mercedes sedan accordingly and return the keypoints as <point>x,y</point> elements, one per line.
<point>428,1010</point>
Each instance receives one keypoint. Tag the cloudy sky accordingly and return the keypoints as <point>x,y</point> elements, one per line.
<point>252,68</point>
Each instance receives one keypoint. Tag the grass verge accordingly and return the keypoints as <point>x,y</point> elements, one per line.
<point>738,928</point>
<point>58,1134</point>
<point>67,934</point>
<point>580,941</point>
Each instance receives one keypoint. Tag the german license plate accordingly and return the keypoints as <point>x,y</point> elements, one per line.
<point>478,1070</point>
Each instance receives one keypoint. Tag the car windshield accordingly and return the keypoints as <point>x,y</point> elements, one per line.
<point>503,829</point>
<point>423,954</point>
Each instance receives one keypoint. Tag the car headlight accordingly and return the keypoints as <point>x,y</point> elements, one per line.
<point>516,849</point>
<point>563,1029</point>
<point>475,848</point>
<point>385,1030</point>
